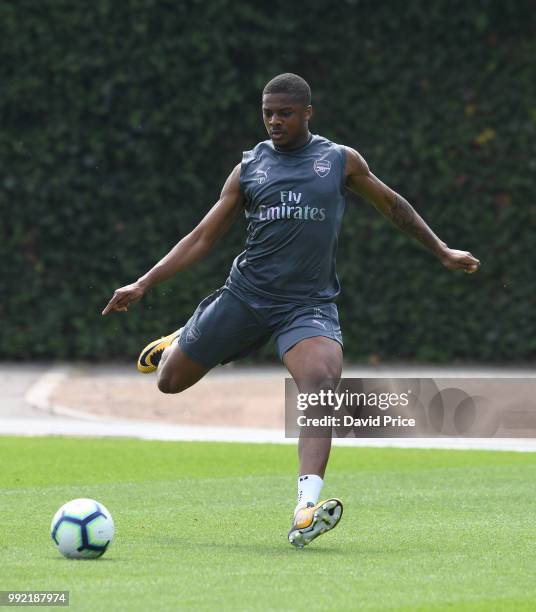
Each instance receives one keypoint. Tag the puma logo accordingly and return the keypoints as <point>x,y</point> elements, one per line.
<point>263,175</point>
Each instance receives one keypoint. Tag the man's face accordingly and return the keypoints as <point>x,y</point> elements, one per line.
<point>285,120</point>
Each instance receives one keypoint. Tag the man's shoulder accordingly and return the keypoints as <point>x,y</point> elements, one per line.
<point>327,145</point>
<point>330,149</point>
<point>319,139</point>
<point>257,151</point>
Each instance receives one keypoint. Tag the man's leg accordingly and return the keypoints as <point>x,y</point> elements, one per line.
<point>315,364</point>
<point>222,328</point>
<point>176,371</point>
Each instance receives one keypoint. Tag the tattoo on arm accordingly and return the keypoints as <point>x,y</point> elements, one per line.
<point>404,216</point>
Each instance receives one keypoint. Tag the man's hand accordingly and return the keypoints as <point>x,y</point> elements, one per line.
<point>459,260</point>
<point>360,180</point>
<point>123,297</point>
<point>193,247</point>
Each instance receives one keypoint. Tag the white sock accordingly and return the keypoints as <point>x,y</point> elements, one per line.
<point>309,486</point>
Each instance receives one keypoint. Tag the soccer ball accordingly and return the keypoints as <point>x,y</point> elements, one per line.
<point>82,529</point>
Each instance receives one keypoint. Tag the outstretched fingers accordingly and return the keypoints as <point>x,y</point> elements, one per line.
<point>116,304</point>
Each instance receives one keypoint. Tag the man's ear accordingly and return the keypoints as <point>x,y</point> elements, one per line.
<point>309,112</point>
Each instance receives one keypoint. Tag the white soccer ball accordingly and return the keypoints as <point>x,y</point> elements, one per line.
<point>82,529</point>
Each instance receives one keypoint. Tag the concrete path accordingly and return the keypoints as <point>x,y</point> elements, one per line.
<point>15,382</point>
<point>231,404</point>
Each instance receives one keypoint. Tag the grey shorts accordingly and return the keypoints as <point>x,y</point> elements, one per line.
<point>227,326</point>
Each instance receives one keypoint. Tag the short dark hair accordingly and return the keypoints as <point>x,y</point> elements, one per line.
<point>291,84</point>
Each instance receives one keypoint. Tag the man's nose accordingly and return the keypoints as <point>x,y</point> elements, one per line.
<point>274,120</point>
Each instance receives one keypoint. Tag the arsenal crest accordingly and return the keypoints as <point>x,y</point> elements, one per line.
<point>322,167</point>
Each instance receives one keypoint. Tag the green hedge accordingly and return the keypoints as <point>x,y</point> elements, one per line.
<point>121,120</point>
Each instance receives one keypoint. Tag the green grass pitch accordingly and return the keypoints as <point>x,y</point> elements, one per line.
<point>203,526</point>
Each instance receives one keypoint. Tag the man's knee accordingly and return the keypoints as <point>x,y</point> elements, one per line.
<point>167,385</point>
<point>174,376</point>
<point>322,376</point>
<point>169,381</point>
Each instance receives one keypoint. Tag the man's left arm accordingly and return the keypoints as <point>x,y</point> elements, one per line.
<point>399,211</point>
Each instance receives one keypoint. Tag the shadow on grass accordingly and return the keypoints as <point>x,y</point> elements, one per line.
<point>262,550</point>
<point>98,559</point>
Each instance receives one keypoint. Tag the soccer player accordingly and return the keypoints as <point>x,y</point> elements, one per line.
<point>283,286</point>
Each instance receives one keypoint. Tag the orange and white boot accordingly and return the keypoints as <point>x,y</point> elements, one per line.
<point>312,521</point>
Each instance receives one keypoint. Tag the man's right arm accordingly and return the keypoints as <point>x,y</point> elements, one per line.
<point>190,249</point>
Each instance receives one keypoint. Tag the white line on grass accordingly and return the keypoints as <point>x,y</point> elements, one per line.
<point>148,430</point>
